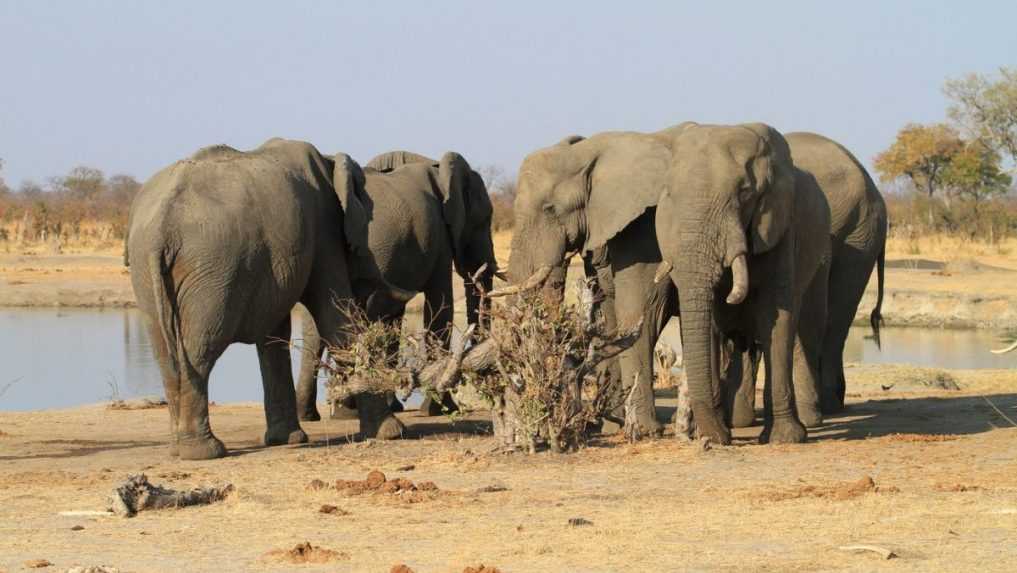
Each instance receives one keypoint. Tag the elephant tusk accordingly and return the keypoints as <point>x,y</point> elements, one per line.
<point>663,270</point>
<point>531,283</point>
<point>476,275</point>
<point>501,275</point>
<point>740,282</point>
<point>1005,350</point>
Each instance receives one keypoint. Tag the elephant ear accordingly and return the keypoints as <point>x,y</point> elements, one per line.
<point>348,180</point>
<point>623,181</point>
<point>454,180</point>
<point>773,174</point>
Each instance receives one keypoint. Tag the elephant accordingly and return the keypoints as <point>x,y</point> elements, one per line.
<point>858,230</point>
<point>221,246</point>
<point>424,218</point>
<point>743,235</point>
<point>599,194</point>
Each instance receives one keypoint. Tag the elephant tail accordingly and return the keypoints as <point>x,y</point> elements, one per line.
<point>876,318</point>
<point>166,314</point>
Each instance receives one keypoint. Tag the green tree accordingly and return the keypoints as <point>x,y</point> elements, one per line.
<point>986,108</point>
<point>921,153</point>
<point>82,182</point>
<point>975,172</point>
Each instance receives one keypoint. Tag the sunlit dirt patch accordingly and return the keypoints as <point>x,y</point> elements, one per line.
<point>839,492</point>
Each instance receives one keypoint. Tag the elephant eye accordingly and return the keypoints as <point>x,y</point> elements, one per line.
<point>549,208</point>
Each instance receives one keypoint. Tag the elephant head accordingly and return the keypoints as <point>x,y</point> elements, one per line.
<point>730,198</point>
<point>466,209</point>
<point>577,195</point>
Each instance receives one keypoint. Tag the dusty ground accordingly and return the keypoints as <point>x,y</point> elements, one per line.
<point>944,283</point>
<point>943,497</point>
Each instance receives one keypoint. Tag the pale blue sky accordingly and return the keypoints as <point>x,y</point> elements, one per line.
<point>129,87</point>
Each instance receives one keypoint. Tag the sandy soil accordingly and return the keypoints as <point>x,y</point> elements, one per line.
<point>947,284</point>
<point>943,495</point>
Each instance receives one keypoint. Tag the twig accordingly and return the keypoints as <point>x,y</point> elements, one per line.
<point>1000,412</point>
<point>885,553</point>
<point>7,386</point>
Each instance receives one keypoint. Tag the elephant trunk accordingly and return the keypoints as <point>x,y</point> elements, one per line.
<point>700,354</point>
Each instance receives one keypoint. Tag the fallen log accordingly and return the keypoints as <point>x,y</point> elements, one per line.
<point>137,494</point>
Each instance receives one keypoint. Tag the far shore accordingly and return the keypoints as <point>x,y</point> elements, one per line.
<point>941,290</point>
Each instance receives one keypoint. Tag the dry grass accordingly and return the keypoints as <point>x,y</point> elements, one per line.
<point>956,508</point>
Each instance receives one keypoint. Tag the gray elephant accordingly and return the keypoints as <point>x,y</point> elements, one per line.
<point>598,194</point>
<point>858,229</point>
<point>857,238</point>
<point>425,217</point>
<point>744,237</point>
<point>221,246</point>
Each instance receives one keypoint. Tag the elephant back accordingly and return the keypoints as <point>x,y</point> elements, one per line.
<point>393,160</point>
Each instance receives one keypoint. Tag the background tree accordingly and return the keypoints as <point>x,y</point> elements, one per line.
<point>4,189</point>
<point>975,172</point>
<point>986,108</point>
<point>921,153</point>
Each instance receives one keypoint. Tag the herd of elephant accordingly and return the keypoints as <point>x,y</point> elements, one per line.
<point>762,242</point>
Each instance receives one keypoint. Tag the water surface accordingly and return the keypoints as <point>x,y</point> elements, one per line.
<point>54,358</point>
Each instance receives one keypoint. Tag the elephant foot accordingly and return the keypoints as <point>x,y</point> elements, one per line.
<point>743,413</point>
<point>283,436</point>
<point>390,428</point>
<point>638,427</point>
<point>201,449</point>
<point>810,415</point>
<point>783,431</point>
<point>341,412</point>
<point>830,405</point>
<point>432,407</point>
<point>310,415</point>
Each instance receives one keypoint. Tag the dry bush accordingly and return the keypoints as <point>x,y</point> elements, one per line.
<point>377,357</point>
<point>918,225</point>
<point>538,365</point>
<point>545,383</point>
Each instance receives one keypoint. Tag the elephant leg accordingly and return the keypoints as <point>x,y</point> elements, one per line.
<point>438,313</point>
<point>597,268</point>
<point>808,348</point>
<point>638,298</point>
<point>277,381</point>
<point>195,440</point>
<point>307,383</point>
<point>776,326</point>
<point>740,391</point>
<point>376,418</point>
<point>849,275</point>
<point>171,383</point>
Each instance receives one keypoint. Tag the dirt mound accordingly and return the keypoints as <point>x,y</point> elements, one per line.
<point>839,492</point>
<point>401,568</point>
<point>482,569</point>
<point>376,483</point>
<point>306,553</point>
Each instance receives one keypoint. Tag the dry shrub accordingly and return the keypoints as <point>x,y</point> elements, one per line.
<point>546,385</point>
<point>371,360</point>
<point>306,553</point>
